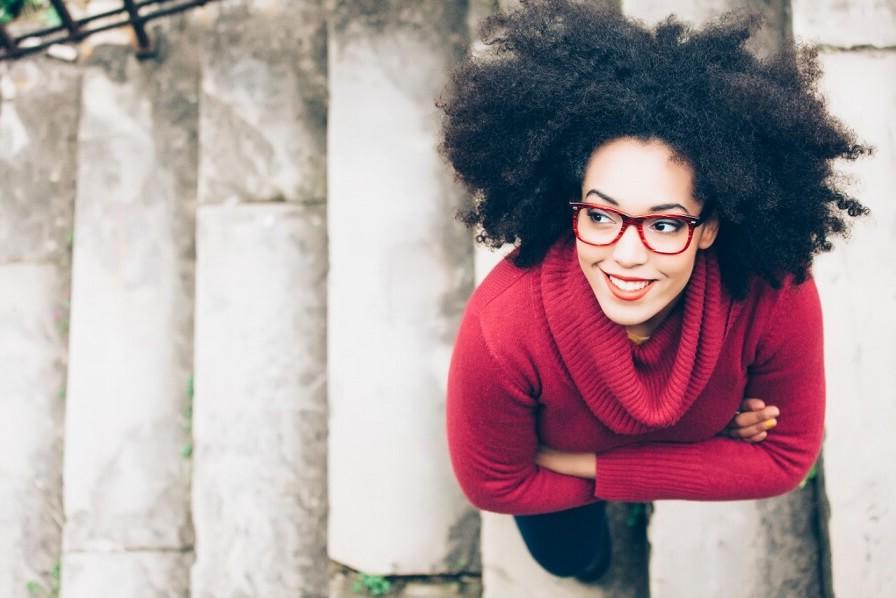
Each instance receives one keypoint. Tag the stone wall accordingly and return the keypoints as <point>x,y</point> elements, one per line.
<point>857,284</point>
<point>253,237</point>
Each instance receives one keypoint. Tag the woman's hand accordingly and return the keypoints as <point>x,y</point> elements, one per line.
<point>580,465</point>
<point>753,421</point>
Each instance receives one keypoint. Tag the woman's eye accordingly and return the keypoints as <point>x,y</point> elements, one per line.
<point>599,217</point>
<point>666,226</point>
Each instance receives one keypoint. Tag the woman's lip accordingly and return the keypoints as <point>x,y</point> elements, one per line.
<point>628,295</point>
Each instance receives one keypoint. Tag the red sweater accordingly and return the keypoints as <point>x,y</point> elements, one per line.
<point>536,361</point>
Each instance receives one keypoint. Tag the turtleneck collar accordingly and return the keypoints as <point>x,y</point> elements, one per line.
<point>634,389</point>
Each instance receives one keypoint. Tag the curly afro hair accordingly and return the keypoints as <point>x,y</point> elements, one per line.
<point>558,78</point>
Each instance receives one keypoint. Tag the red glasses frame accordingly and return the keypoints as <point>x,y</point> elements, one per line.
<point>692,222</point>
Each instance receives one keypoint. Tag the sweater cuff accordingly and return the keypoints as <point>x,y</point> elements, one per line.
<point>628,474</point>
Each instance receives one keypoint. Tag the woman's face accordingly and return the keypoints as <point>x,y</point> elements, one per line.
<point>635,286</point>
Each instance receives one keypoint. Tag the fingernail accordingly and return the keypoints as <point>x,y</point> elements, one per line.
<point>769,423</point>
<point>773,412</point>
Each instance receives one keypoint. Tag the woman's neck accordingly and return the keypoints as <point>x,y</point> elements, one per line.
<point>645,329</point>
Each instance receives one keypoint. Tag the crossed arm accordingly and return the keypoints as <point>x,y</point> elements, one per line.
<point>500,466</point>
<point>751,423</point>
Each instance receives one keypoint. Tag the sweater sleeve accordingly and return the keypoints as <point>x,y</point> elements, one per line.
<point>492,436</point>
<point>788,372</point>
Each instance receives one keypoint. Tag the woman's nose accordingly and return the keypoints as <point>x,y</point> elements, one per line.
<point>629,250</point>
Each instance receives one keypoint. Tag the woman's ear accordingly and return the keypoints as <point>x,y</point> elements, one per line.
<point>708,232</point>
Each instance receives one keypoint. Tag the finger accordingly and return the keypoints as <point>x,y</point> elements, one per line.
<point>748,418</point>
<point>751,418</point>
<point>750,431</point>
<point>757,438</point>
<point>752,405</point>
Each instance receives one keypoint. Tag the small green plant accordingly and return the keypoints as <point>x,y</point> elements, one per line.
<point>187,450</point>
<point>371,585</point>
<point>37,589</point>
<point>810,476</point>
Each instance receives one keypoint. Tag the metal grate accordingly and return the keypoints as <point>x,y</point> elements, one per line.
<point>132,13</point>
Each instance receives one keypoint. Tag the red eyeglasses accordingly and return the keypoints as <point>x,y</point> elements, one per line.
<point>667,234</point>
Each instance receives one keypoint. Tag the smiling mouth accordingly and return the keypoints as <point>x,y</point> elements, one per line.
<point>628,289</point>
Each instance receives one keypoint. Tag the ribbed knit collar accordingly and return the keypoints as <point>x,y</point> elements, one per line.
<point>631,388</point>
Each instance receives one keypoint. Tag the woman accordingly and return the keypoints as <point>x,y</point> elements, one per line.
<point>666,192</point>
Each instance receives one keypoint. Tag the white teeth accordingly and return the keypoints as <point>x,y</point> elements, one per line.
<point>628,285</point>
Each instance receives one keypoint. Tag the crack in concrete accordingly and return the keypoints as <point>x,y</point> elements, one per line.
<point>856,48</point>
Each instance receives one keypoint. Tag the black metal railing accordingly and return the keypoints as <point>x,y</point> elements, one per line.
<point>132,13</point>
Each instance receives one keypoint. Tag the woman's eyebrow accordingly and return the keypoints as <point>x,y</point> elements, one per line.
<point>668,206</point>
<point>659,208</point>
<point>603,196</point>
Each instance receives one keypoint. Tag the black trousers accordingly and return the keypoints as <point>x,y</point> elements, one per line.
<point>568,543</point>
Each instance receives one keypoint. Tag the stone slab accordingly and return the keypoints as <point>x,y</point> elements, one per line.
<point>260,413</point>
<point>857,284</point>
<point>401,271</point>
<point>264,102</point>
<point>132,574</point>
<point>38,129</point>
<point>845,24</point>
<point>775,29</point>
<point>738,549</point>
<point>32,402</point>
<point>126,481</point>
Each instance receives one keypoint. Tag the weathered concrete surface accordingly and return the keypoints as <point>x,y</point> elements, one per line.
<point>32,377</point>
<point>775,13</point>
<point>856,23</point>
<point>126,481</point>
<point>260,483</point>
<point>259,486</point>
<point>38,125</point>
<point>401,270</point>
<point>39,106</point>
<point>857,283</point>
<point>132,574</point>
<point>754,548</point>
<point>264,102</point>
<point>509,569</point>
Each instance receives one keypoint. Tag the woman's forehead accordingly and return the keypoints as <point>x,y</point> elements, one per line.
<point>639,176</point>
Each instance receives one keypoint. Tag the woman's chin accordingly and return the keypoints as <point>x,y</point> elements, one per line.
<point>627,316</point>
